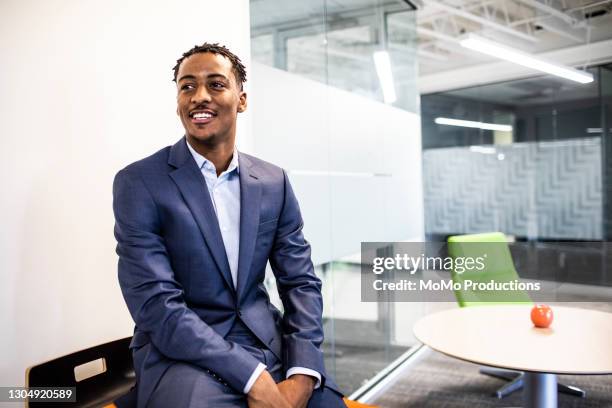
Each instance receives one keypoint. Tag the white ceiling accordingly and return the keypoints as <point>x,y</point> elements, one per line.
<point>534,26</point>
<point>351,34</point>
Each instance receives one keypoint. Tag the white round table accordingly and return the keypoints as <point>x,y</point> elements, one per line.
<point>579,341</point>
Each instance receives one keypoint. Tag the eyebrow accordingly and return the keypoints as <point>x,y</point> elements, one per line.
<point>189,76</point>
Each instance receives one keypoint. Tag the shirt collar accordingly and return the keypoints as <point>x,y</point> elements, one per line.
<point>201,161</point>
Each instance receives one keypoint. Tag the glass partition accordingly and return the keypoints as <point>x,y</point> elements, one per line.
<point>605,91</point>
<point>532,163</point>
<point>333,101</point>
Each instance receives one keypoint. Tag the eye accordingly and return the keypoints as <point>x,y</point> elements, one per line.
<point>187,87</point>
<point>217,85</point>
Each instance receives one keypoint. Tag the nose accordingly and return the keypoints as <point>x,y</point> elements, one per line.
<point>201,95</point>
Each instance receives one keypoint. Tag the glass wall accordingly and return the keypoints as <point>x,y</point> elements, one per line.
<point>334,42</point>
<point>323,108</point>
<point>533,163</point>
<point>605,90</point>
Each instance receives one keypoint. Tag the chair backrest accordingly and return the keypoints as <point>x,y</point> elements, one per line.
<point>114,359</point>
<point>498,268</point>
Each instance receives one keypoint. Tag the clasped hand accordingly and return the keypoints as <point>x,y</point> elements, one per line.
<point>294,392</point>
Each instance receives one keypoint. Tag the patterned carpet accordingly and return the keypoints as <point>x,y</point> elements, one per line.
<point>438,381</point>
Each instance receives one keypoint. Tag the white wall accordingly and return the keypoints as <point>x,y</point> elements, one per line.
<point>86,89</point>
<point>355,163</point>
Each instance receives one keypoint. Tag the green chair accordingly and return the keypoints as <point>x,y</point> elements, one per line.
<point>493,247</point>
<point>499,267</point>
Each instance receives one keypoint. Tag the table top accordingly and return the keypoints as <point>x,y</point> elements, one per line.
<point>579,341</point>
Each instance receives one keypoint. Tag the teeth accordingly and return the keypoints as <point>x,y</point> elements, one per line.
<point>202,115</point>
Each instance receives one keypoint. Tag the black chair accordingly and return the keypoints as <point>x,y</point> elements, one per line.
<point>115,380</point>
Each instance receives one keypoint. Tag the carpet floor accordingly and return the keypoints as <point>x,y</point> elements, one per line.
<point>438,381</point>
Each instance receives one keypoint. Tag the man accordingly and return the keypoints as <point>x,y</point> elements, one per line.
<point>196,224</point>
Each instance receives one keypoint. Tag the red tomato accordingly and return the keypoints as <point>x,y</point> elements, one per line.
<point>541,315</point>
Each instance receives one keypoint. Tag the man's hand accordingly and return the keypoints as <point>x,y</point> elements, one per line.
<point>297,389</point>
<point>265,393</point>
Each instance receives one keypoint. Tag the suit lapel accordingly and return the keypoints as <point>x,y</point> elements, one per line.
<point>192,185</point>
<point>250,204</point>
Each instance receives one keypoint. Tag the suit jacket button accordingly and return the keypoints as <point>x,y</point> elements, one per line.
<point>239,313</point>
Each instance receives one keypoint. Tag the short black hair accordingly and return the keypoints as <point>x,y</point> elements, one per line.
<point>238,66</point>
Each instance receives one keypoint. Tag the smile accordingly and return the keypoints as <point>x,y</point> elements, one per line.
<point>202,116</point>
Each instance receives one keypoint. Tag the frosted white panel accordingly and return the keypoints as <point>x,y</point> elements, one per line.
<point>550,190</point>
<point>355,163</point>
<point>314,194</point>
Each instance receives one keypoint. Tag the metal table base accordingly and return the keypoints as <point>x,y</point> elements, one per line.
<point>540,390</point>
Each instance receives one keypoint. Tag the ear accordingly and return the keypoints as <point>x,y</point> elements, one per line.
<point>242,102</point>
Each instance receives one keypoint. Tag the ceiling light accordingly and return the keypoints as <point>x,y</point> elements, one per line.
<point>385,76</point>
<point>597,130</point>
<point>473,124</point>
<point>493,49</point>
<point>483,149</point>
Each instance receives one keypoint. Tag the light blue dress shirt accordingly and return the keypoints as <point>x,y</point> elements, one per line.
<point>224,192</point>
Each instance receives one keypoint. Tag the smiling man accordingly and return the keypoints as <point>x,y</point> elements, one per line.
<point>196,224</point>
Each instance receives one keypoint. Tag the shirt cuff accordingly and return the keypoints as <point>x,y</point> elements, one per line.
<point>258,370</point>
<point>305,371</point>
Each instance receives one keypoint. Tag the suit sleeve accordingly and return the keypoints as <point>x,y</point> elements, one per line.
<point>299,288</point>
<point>155,299</point>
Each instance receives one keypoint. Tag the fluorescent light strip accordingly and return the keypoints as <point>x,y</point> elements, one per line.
<point>483,149</point>
<point>472,124</point>
<point>597,130</point>
<point>493,49</point>
<point>385,76</point>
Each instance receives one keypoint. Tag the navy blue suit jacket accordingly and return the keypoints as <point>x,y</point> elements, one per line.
<point>175,276</point>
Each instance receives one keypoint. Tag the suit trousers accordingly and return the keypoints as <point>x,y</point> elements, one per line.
<point>185,385</point>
